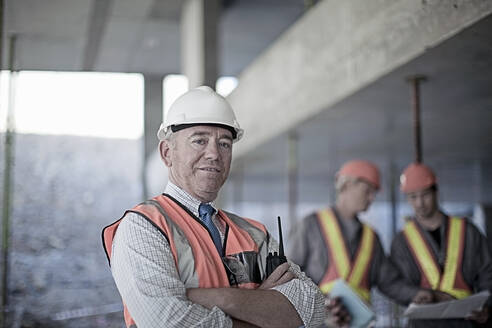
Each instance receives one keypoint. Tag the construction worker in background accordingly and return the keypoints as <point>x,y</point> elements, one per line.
<point>174,257</point>
<point>333,243</point>
<point>446,254</point>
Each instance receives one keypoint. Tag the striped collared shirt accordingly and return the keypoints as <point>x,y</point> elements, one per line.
<point>192,205</point>
<point>144,270</point>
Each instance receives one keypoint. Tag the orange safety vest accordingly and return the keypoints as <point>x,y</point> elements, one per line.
<point>451,280</point>
<point>355,273</point>
<point>245,239</point>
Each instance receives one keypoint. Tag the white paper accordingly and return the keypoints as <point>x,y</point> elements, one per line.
<point>360,313</point>
<point>448,310</point>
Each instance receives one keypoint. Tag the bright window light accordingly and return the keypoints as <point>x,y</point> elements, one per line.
<point>225,85</point>
<point>106,105</point>
<point>174,85</point>
<point>4,99</point>
<point>88,104</point>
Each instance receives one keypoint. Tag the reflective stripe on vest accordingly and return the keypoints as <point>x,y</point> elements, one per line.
<point>356,274</point>
<point>197,260</point>
<point>451,281</point>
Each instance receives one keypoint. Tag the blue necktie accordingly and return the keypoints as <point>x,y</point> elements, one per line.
<point>206,211</point>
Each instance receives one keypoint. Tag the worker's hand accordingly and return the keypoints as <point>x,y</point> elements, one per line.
<point>423,296</point>
<point>442,296</point>
<point>279,276</point>
<point>338,314</point>
<point>480,316</point>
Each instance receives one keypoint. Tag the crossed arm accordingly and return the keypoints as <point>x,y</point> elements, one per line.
<point>261,307</point>
<point>145,274</point>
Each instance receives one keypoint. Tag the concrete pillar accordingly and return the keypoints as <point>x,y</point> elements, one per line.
<point>153,114</point>
<point>199,20</point>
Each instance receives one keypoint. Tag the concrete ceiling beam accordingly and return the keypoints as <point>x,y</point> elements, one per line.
<point>99,17</point>
<point>334,50</point>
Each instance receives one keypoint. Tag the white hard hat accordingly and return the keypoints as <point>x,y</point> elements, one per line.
<point>201,105</point>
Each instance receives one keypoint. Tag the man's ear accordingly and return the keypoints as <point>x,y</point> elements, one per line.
<point>165,152</point>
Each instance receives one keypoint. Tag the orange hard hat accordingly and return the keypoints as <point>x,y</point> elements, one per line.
<point>415,177</point>
<point>362,170</point>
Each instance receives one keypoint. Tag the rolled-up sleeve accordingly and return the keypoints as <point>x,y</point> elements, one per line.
<point>303,294</point>
<point>145,274</point>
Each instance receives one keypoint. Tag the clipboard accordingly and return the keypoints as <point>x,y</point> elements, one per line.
<point>448,310</point>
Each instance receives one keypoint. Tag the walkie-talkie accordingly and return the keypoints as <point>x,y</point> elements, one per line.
<point>274,260</point>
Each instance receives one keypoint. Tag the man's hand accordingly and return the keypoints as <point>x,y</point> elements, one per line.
<point>442,296</point>
<point>480,316</point>
<point>279,276</point>
<point>339,315</point>
<point>423,296</point>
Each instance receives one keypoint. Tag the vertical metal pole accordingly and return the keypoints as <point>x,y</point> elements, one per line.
<point>238,186</point>
<point>7,185</point>
<point>414,81</point>
<point>393,195</point>
<point>293,168</point>
<point>4,210</point>
<point>415,93</point>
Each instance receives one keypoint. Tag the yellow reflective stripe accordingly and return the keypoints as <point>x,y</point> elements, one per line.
<point>423,254</point>
<point>451,265</point>
<point>449,275</point>
<point>336,241</point>
<point>363,293</point>
<point>458,293</point>
<point>362,260</point>
<point>326,287</point>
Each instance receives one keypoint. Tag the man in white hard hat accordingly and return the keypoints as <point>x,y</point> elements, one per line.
<point>175,257</point>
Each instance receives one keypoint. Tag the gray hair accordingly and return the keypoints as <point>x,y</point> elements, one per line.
<point>168,135</point>
<point>170,138</point>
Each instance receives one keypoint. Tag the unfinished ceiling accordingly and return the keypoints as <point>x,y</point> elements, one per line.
<point>135,36</point>
<point>376,123</point>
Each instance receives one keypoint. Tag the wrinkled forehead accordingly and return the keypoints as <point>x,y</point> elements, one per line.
<point>205,130</point>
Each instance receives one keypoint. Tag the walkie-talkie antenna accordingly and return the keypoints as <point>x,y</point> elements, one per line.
<point>274,260</point>
<point>281,240</point>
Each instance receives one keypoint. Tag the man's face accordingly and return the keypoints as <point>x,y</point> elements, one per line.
<point>199,159</point>
<point>423,202</point>
<point>360,195</point>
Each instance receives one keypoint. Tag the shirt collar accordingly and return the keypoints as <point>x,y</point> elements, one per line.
<point>190,202</point>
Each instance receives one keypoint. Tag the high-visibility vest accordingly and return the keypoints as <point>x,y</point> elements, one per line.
<point>451,280</point>
<point>187,235</point>
<point>355,273</point>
